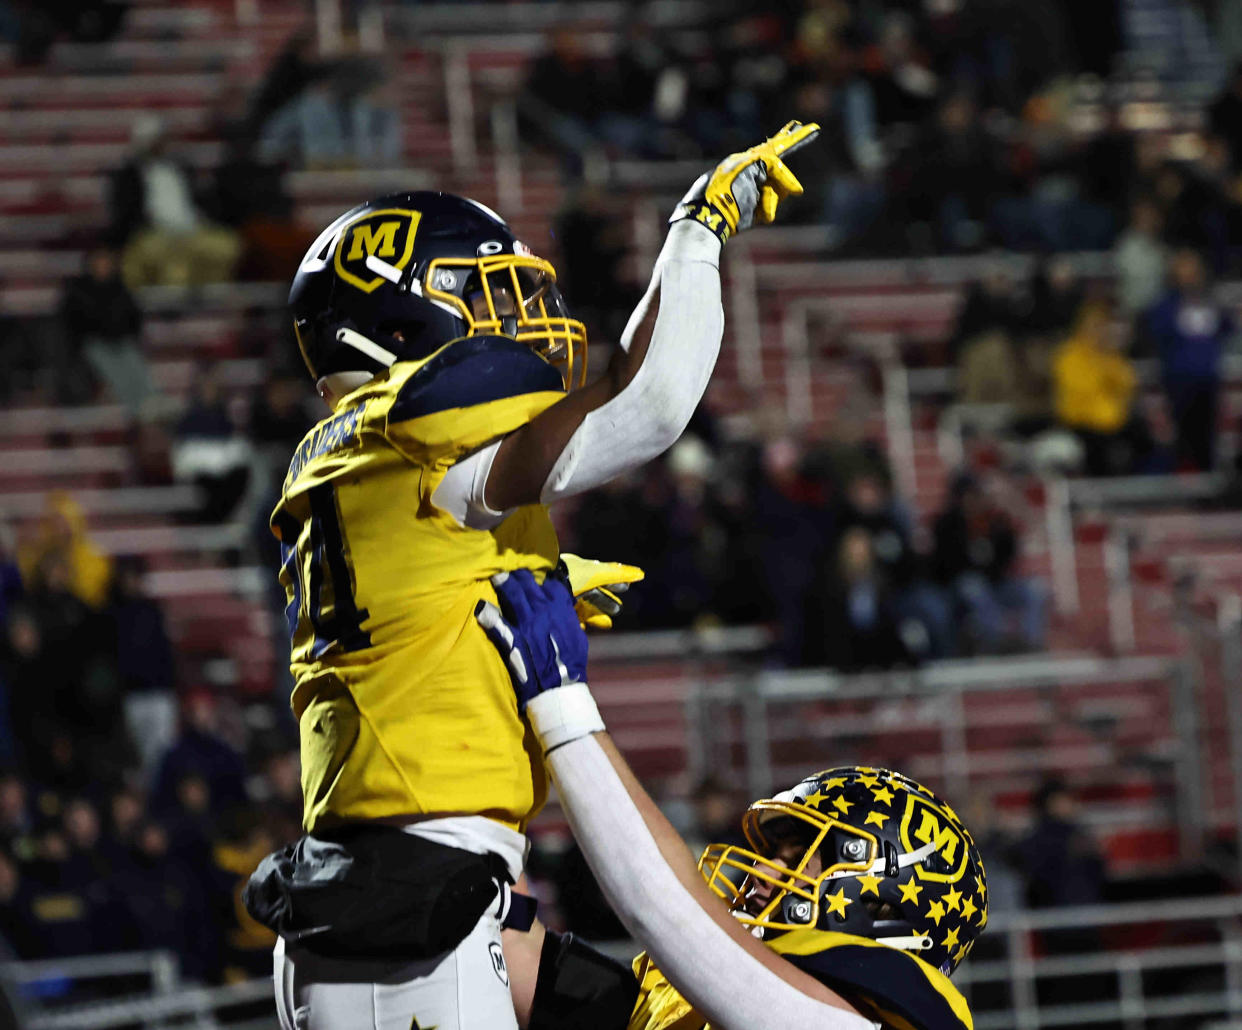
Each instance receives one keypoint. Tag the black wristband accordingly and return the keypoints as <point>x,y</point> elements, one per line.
<point>707,215</point>
<point>579,988</point>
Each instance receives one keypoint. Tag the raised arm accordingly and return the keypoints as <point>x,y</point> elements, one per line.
<point>639,408</point>
<point>642,865</point>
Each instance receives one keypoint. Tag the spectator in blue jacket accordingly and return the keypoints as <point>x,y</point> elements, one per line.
<point>1190,331</point>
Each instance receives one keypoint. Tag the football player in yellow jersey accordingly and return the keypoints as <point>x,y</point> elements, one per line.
<point>864,883</point>
<point>460,409</point>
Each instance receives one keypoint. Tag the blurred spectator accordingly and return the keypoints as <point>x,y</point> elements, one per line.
<point>841,173</point>
<point>104,323</point>
<point>344,116</point>
<point>35,27</point>
<point>1225,117</point>
<point>279,417</point>
<point>209,451</point>
<point>1056,297</point>
<point>976,549</point>
<point>61,530</point>
<point>1062,866</point>
<point>1140,258</point>
<point>279,793</point>
<point>717,813</point>
<point>166,904</point>
<point>991,305</point>
<point>166,237</point>
<point>201,753</point>
<point>956,175</point>
<point>16,818</point>
<point>296,67</point>
<point>244,841</point>
<point>87,861</point>
<point>572,101</point>
<point>791,523</point>
<point>18,927</point>
<point>80,694</point>
<point>593,269</point>
<point>250,197</point>
<point>145,662</point>
<point>852,621</point>
<point>925,612</point>
<point>691,550</point>
<point>1190,331</point>
<point>983,344</point>
<point>904,86</point>
<point>1095,385</point>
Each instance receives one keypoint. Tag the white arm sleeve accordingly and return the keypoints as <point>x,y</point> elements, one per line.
<point>729,987</point>
<point>648,416</point>
<point>460,492</point>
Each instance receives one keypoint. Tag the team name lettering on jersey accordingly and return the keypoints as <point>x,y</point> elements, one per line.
<point>339,431</point>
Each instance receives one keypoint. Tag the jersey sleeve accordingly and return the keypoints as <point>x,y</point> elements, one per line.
<point>466,394</point>
<point>892,986</point>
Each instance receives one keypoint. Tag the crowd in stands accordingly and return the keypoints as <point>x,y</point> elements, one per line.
<point>813,539</point>
<point>1064,358</point>
<point>129,815</point>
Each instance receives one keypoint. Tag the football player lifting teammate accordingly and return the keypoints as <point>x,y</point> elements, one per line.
<point>857,895</point>
<point>460,408</point>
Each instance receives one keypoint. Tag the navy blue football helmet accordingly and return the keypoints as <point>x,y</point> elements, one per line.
<point>397,278</point>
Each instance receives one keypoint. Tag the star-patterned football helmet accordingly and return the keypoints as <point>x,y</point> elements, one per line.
<point>859,851</point>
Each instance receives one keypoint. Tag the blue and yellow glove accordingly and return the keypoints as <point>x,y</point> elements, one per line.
<point>746,188</point>
<point>596,586</point>
<point>537,633</point>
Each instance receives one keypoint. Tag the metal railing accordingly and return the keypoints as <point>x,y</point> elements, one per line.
<point>1129,1002</point>
<point>736,715</point>
<point>205,1005</point>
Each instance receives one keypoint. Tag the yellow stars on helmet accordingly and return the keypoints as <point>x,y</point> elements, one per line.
<point>910,891</point>
<point>952,899</point>
<point>841,805</point>
<point>961,953</point>
<point>950,939</point>
<point>814,799</point>
<point>883,794</point>
<point>836,781</point>
<point>836,902</point>
<point>875,819</point>
<point>870,883</point>
<point>869,780</point>
<point>983,888</point>
<point>968,908</point>
<point>935,911</point>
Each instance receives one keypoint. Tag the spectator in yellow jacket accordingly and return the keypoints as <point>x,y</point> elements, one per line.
<point>1094,385</point>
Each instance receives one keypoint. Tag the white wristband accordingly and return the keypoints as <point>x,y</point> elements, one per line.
<point>563,714</point>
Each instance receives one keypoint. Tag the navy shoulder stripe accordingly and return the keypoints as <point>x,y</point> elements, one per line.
<point>889,978</point>
<point>474,370</point>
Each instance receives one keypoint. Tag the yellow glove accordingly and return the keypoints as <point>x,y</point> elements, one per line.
<point>595,586</point>
<point>745,188</point>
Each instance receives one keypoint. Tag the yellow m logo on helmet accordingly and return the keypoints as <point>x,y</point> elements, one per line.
<point>925,823</point>
<point>931,829</point>
<point>387,234</point>
<point>380,240</point>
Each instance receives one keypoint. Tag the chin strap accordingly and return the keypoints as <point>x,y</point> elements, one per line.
<point>911,943</point>
<point>360,343</point>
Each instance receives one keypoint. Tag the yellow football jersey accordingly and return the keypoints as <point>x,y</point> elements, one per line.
<point>891,987</point>
<point>404,707</point>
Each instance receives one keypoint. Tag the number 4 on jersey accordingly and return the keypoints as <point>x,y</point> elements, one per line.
<point>324,593</point>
